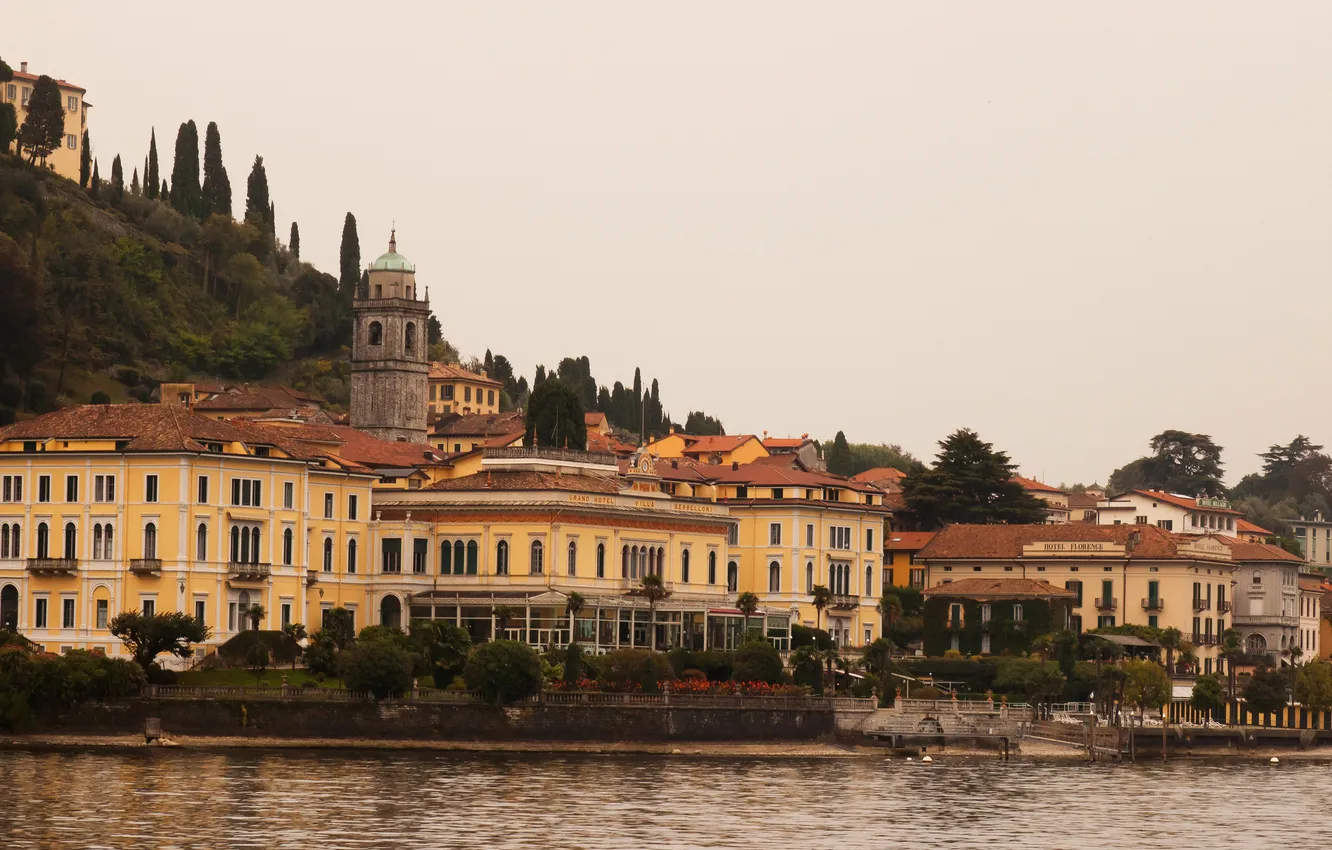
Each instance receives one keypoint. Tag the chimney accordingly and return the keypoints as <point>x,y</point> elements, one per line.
<point>23,67</point>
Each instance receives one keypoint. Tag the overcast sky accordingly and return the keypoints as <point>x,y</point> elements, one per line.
<point>1066,225</point>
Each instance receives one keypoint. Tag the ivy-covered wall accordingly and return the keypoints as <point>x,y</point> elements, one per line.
<point>1008,636</point>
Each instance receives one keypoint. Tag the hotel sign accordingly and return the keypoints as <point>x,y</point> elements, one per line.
<point>1073,549</point>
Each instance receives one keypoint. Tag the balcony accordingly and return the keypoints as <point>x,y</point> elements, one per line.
<point>249,572</point>
<point>53,566</point>
<point>1201,605</point>
<point>635,585</point>
<point>311,577</point>
<point>1266,620</point>
<point>1223,607</point>
<point>844,602</point>
<point>146,566</point>
<point>1107,603</point>
<point>1150,604</point>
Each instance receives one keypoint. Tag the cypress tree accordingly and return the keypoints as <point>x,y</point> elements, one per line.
<point>164,193</point>
<point>150,176</point>
<point>636,416</point>
<point>117,179</point>
<point>295,243</point>
<point>216,185</point>
<point>94,187</point>
<point>256,196</point>
<point>134,183</point>
<point>349,257</point>
<point>185,193</point>
<point>85,162</point>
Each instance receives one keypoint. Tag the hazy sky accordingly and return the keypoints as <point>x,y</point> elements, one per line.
<point>1066,225</point>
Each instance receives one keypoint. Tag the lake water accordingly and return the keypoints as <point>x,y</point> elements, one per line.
<point>323,800</point>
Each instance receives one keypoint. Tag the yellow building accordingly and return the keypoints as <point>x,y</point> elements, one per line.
<point>899,558</point>
<point>65,159</point>
<point>722,449</point>
<point>1056,501</point>
<point>796,529</point>
<point>453,389</point>
<point>466,432</point>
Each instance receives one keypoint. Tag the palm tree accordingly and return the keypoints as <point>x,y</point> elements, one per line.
<point>573,605</point>
<point>1171,639</point>
<point>1232,649</point>
<point>822,599</point>
<point>748,604</point>
<point>1293,654</point>
<point>502,614</point>
<point>256,614</point>
<point>653,590</point>
<point>890,607</point>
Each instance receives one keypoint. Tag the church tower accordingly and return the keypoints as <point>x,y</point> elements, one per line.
<point>389,359</point>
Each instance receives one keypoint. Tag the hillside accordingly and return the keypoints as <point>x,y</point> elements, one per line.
<point>114,294</point>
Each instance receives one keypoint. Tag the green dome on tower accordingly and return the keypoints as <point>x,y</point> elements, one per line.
<point>392,261</point>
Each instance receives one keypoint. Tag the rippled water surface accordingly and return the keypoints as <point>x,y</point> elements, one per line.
<point>164,798</point>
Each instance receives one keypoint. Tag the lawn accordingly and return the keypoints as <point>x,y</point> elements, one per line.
<point>272,677</point>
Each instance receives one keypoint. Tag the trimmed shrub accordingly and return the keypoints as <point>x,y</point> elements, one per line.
<point>573,664</point>
<point>282,648</point>
<point>503,671</point>
<point>806,636</point>
<point>757,661</point>
<point>715,664</point>
<point>321,655</point>
<point>379,666</point>
<point>635,670</point>
<point>100,397</point>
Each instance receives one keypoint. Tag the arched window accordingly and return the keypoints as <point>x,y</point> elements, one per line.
<point>732,576</point>
<point>635,556</point>
<point>774,577</point>
<point>684,566</point>
<point>809,576</point>
<point>351,555</point>
<point>502,558</point>
<point>4,540</point>
<point>254,545</point>
<point>244,546</point>
<point>328,554</point>
<point>97,541</point>
<point>150,541</point>
<point>236,544</point>
<point>107,537</point>
<point>201,543</point>
<point>869,582</point>
<point>409,337</point>
<point>287,546</point>
<point>472,551</point>
<point>601,560</point>
<point>712,568</point>
<point>573,558</point>
<point>71,541</point>
<point>446,558</point>
<point>459,554</point>
<point>538,564</point>
<point>376,333</point>
<point>624,562</point>
<point>390,612</point>
<point>43,541</point>
<point>9,608</point>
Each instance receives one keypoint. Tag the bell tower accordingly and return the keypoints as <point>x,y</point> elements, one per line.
<point>389,359</point>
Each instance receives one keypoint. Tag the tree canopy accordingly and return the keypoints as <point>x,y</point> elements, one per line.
<point>970,482</point>
<point>555,416</point>
<point>216,190</point>
<point>44,128</point>
<point>186,195</point>
<point>1180,463</point>
<point>148,636</point>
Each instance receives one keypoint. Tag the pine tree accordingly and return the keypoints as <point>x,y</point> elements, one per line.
<point>970,482</point>
<point>117,180</point>
<point>134,183</point>
<point>44,128</point>
<point>216,184</point>
<point>95,185</point>
<point>256,196</point>
<point>349,257</point>
<point>85,162</point>
<point>295,244</point>
<point>150,176</point>
<point>186,195</point>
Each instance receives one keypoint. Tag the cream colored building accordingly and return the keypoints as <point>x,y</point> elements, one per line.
<point>64,160</point>
<point>1056,500</point>
<point>1171,511</point>
<point>453,389</point>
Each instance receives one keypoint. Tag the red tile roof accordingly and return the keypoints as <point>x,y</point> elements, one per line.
<point>878,474</point>
<point>1243,526</point>
<point>593,418</point>
<point>1007,541</point>
<point>450,372</point>
<point>342,441</point>
<point>785,442</point>
<point>1033,484</point>
<point>145,427</point>
<point>257,398</point>
<point>519,480</point>
<point>719,443</point>
<point>908,541</point>
<point>598,442</point>
<point>64,84</point>
<point>1181,501</point>
<point>479,424</point>
<point>1000,588</point>
<point>1242,550</point>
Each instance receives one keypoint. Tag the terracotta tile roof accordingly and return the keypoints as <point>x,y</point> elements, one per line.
<point>522,480</point>
<point>450,372</point>
<point>1006,541</point>
<point>1242,550</point>
<point>598,442</point>
<point>256,398</point>
<point>64,84</point>
<point>764,472</point>
<point>785,442</point>
<point>1311,585</point>
<point>719,443</point>
<point>908,541</point>
<point>1181,501</point>
<point>479,424</point>
<point>1082,500</point>
<point>1243,526</point>
<point>1001,588</point>
<point>1033,484</point>
<point>878,474</point>
<point>146,427</point>
<point>344,442</point>
<point>593,418</point>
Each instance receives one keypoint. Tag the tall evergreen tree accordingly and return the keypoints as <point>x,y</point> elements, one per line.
<point>8,114</point>
<point>839,456</point>
<point>555,416</point>
<point>349,257</point>
<point>95,184</point>
<point>970,482</point>
<point>256,197</point>
<point>186,196</point>
<point>164,192</point>
<point>134,183</point>
<point>151,178</point>
<point>637,413</point>
<point>295,243</point>
<point>44,128</point>
<point>216,184</point>
<point>117,179</point>
<point>85,162</point>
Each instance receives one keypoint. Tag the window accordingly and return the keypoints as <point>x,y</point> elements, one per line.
<point>774,534</point>
<point>391,555</point>
<point>203,490</point>
<point>502,558</point>
<point>351,507</point>
<point>778,493</point>
<point>328,506</point>
<point>67,613</point>
<point>43,541</point>
<point>376,333</point>
<point>869,540</point>
<point>1105,621</point>
<point>774,577</point>
<point>150,541</point>
<point>1140,520</point>
<point>201,543</point>
<point>733,535</point>
<point>573,557</point>
<point>684,565</point>
<point>601,560</point>
<point>869,581</point>
<point>39,615</point>
<point>150,488</point>
<point>732,576</point>
<point>1076,587</point>
<point>71,541</point>
<point>288,494</point>
<point>351,556</point>
<point>71,488</point>
<point>538,554</point>
<point>409,337</point>
<point>11,92</point>
<point>103,613</point>
<point>328,554</point>
<point>245,492</point>
<point>467,393</point>
<point>73,103</point>
<point>809,534</point>
<point>286,614</point>
<point>12,488</point>
<point>839,537</point>
<point>420,555</point>
<point>149,607</point>
<point>286,546</point>
<point>1153,620</point>
<point>446,392</point>
<point>1167,524</point>
<point>490,396</point>
<point>71,141</point>
<point>43,488</point>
